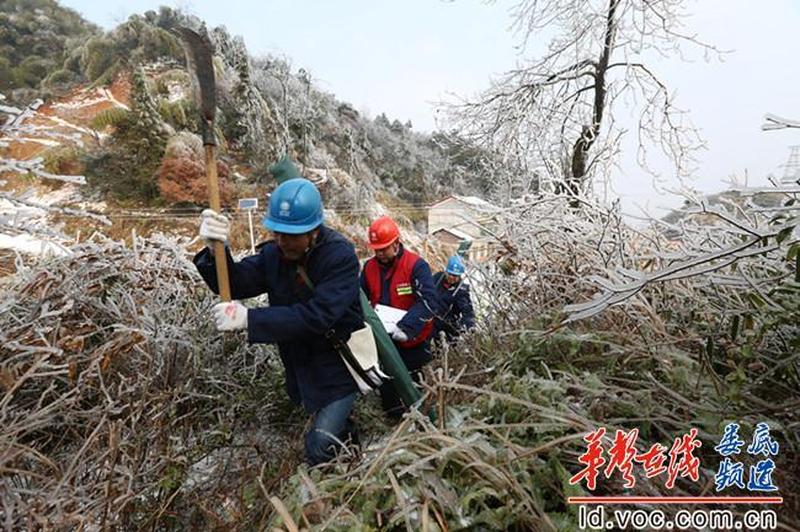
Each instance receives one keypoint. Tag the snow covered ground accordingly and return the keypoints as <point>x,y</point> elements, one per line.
<point>25,222</point>
<point>26,243</point>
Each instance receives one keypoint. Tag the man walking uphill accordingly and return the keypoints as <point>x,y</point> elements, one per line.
<point>399,278</point>
<point>456,314</point>
<point>310,274</point>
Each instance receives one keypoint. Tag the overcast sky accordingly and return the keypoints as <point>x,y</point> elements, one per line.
<point>399,57</point>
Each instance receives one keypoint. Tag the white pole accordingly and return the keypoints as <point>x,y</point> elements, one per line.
<point>250,223</point>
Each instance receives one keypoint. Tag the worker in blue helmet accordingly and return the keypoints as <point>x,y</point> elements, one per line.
<point>310,275</point>
<point>456,313</point>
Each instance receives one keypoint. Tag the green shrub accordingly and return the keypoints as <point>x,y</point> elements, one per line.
<point>66,160</point>
<point>98,56</point>
<point>35,39</point>
<point>60,78</point>
<point>127,168</point>
<point>111,117</point>
<point>181,114</point>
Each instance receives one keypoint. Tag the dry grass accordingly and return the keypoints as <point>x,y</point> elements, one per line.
<point>121,406</point>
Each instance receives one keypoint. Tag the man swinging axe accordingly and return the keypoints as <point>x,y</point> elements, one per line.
<point>304,323</point>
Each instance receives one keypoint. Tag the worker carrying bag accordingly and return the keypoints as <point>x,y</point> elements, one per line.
<point>359,353</point>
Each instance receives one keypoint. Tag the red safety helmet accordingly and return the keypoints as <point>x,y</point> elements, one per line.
<point>383,232</point>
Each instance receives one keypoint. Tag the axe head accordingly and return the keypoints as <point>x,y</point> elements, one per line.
<point>199,59</point>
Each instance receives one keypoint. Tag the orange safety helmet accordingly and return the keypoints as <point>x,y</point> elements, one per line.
<point>383,232</point>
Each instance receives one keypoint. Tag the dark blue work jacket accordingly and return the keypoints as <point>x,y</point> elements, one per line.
<point>297,318</point>
<point>456,314</point>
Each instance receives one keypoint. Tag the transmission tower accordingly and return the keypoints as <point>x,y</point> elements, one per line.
<point>791,170</point>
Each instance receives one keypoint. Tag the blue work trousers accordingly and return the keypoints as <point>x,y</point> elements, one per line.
<point>331,429</point>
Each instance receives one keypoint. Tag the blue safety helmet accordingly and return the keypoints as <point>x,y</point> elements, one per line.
<point>295,207</point>
<point>455,266</point>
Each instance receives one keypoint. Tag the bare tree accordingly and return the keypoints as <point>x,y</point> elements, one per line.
<point>774,122</point>
<point>557,110</point>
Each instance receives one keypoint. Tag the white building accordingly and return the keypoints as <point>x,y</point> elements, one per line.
<point>458,218</point>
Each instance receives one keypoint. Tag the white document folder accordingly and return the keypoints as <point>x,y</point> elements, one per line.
<point>389,315</point>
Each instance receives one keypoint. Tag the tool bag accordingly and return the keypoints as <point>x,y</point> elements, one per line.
<point>359,353</point>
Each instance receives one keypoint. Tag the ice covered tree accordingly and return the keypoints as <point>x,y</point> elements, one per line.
<point>247,120</point>
<point>557,110</point>
<point>127,166</point>
<point>145,111</point>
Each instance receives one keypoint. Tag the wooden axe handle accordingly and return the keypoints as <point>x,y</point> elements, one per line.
<point>220,260</point>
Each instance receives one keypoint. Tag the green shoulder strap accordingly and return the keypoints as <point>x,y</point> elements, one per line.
<point>390,360</point>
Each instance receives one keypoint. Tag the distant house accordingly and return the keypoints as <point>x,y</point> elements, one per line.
<point>451,236</point>
<point>458,218</point>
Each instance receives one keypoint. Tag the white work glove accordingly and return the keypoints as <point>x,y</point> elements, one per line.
<point>213,226</point>
<point>230,316</point>
<point>398,334</point>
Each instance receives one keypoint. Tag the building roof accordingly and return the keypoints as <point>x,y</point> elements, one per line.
<point>455,232</point>
<point>472,201</point>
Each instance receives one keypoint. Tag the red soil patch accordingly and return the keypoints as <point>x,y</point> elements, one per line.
<point>121,88</point>
<point>22,151</point>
